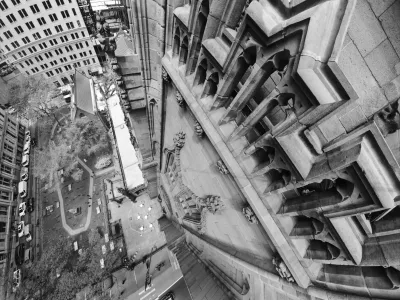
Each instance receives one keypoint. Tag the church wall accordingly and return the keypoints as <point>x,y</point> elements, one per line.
<point>309,149</point>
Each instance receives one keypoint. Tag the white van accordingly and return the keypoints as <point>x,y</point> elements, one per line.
<point>24,174</point>
<point>23,189</point>
<point>25,160</point>
<point>27,148</point>
<point>27,229</point>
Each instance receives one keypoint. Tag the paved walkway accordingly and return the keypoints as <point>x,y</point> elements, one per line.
<point>89,216</point>
<point>104,171</point>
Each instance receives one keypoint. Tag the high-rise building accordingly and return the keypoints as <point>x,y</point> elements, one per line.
<point>46,37</point>
<point>11,146</point>
<point>275,127</point>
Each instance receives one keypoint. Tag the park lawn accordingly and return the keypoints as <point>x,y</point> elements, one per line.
<point>77,197</point>
<point>52,224</point>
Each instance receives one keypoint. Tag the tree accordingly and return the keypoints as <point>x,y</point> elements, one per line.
<point>61,272</point>
<point>106,84</point>
<point>34,97</point>
<point>49,160</point>
<point>87,137</point>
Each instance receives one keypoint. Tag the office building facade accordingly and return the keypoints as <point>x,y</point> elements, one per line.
<point>11,147</point>
<point>46,37</point>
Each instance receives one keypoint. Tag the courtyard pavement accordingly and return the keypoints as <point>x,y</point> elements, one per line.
<point>139,242</point>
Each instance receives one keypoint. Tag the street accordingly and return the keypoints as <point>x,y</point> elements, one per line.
<point>33,217</point>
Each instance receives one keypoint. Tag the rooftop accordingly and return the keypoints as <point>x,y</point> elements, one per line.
<point>130,160</point>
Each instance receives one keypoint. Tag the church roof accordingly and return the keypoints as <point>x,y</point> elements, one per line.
<point>124,44</point>
<point>83,94</point>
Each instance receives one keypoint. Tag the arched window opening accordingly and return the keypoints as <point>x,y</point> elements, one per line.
<point>184,51</point>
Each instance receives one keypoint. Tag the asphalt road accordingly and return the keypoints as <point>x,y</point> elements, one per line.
<point>31,218</point>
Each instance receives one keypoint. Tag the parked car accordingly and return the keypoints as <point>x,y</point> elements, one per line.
<point>22,209</point>
<point>30,204</point>
<point>21,226</point>
<point>26,151</point>
<point>27,232</point>
<point>24,176</point>
<point>27,133</point>
<point>19,254</point>
<point>33,142</point>
<point>27,139</point>
<point>23,189</point>
<point>25,160</point>
<point>28,237</point>
<point>16,279</point>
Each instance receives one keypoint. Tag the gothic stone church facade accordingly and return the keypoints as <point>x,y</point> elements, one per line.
<point>275,127</point>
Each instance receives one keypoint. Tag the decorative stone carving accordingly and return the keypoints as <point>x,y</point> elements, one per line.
<point>282,269</point>
<point>165,76</point>
<point>198,129</point>
<point>250,215</point>
<point>211,203</point>
<point>388,120</point>
<point>179,99</point>
<point>179,139</point>
<point>222,168</point>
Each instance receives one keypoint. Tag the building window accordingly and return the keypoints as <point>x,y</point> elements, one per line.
<point>15,2</point>
<point>8,34</point>
<point>47,32</point>
<point>4,195</point>
<point>7,157</point>
<point>53,17</point>
<point>55,41</point>
<point>73,11</point>
<point>35,9</point>
<point>41,21</point>
<point>23,13</point>
<point>79,23</point>
<point>26,40</point>
<point>60,2</point>
<point>8,147</point>
<point>70,25</point>
<point>19,29</point>
<point>46,4</point>
<point>3,5</point>
<point>65,14</point>
<point>2,23</point>
<point>59,28</point>
<point>22,66</point>
<point>36,36</point>
<point>15,44</point>
<point>11,18</point>
<point>94,61</point>
<point>30,25</point>
<point>3,180</point>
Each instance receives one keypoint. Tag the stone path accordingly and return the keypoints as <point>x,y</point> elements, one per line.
<point>89,216</point>
<point>104,171</point>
